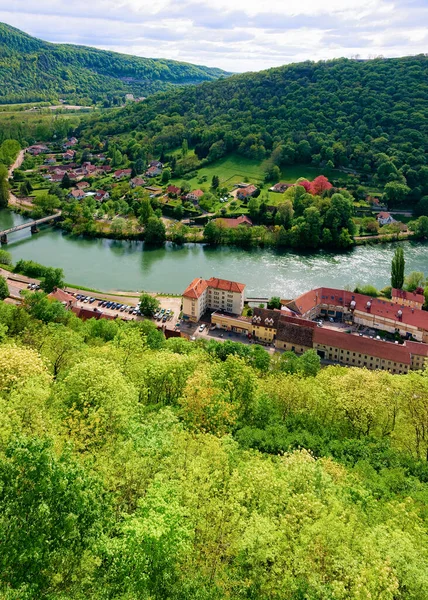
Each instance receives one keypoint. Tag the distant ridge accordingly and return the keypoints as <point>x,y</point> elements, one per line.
<point>34,70</point>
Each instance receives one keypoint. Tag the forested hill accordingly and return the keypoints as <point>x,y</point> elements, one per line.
<point>368,115</point>
<point>32,70</point>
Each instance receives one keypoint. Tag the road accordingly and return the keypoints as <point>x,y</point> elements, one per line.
<point>13,200</point>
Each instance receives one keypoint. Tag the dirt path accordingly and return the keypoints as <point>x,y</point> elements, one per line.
<point>13,200</point>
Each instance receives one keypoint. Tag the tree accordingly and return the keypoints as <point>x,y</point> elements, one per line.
<point>118,226</point>
<point>4,187</point>
<point>5,257</point>
<point>319,185</point>
<point>395,192</point>
<point>215,182</point>
<point>145,211</point>
<point>66,182</point>
<point>414,280</point>
<point>46,203</point>
<point>420,227</point>
<point>397,269</point>
<point>166,175</point>
<point>274,302</point>
<point>52,278</point>
<point>149,304</point>
<point>4,289</point>
<point>184,148</point>
<point>154,231</point>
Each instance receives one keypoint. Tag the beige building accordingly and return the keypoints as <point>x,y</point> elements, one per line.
<point>212,294</point>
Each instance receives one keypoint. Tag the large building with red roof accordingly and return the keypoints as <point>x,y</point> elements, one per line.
<point>376,313</point>
<point>212,294</point>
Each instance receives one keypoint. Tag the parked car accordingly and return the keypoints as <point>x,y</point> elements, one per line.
<point>202,327</point>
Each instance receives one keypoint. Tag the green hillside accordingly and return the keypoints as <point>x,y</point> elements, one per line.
<point>367,116</point>
<point>33,70</point>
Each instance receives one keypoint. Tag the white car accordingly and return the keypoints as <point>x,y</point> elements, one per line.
<point>201,328</point>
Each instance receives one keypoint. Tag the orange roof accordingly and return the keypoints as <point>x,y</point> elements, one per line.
<point>417,348</point>
<point>196,288</point>
<point>403,295</point>
<point>62,296</point>
<point>234,222</point>
<point>224,284</point>
<point>362,345</point>
<point>380,308</point>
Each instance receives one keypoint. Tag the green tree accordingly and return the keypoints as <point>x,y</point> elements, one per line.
<point>4,187</point>
<point>274,302</point>
<point>52,278</point>
<point>215,182</point>
<point>395,192</point>
<point>166,175</point>
<point>149,304</point>
<point>154,231</point>
<point>397,269</point>
<point>66,182</point>
<point>145,211</point>
<point>5,257</point>
<point>415,279</point>
<point>4,289</point>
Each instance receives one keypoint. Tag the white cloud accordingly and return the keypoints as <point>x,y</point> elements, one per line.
<point>236,35</point>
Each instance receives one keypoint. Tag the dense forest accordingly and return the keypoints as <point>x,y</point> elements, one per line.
<point>366,116</point>
<point>33,70</point>
<point>134,467</point>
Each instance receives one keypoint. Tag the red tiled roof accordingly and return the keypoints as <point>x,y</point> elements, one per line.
<point>62,296</point>
<point>362,345</point>
<point>380,308</point>
<point>383,215</point>
<point>402,294</point>
<point>224,284</point>
<point>232,223</point>
<point>417,348</point>
<point>247,191</point>
<point>197,193</point>
<point>196,288</point>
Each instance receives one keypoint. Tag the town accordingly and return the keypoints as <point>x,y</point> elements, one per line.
<point>343,327</point>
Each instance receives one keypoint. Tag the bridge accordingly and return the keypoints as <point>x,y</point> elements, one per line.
<point>264,300</point>
<point>33,225</point>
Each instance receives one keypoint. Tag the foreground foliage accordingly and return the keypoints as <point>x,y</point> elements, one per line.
<point>137,468</point>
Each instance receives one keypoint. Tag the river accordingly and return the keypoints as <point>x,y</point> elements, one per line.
<point>118,265</point>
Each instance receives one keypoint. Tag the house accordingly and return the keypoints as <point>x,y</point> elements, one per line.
<point>214,294</point>
<point>68,300</point>
<point>101,195</point>
<point>82,185</point>
<point>173,190</point>
<point>77,194</point>
<point>280,187</point>
<point>195,195</point>
<point>57,177</point>
<point>121,173</point>
<point>153,171</point>
<point>414,299</point>
<point>385,218</point>
<point>50,160</point>
<point>137,181</point>
<point>154,191</point>
<point>70,143</point>
<point>232,223</point>
<point>246,192</point>
<point>156,163</point>
<point>68,155</point>
<point>37,149</point>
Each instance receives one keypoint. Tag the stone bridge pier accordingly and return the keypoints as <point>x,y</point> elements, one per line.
<point>3,238</point>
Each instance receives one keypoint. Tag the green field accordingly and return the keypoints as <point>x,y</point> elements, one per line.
<point>233,169</point>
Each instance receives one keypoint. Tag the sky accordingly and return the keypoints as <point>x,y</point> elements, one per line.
<point>235,35</point>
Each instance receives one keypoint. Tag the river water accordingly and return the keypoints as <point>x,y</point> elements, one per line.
<point>118,265</point>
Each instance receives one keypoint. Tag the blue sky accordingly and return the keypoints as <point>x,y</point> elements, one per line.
<point>236,35</point>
